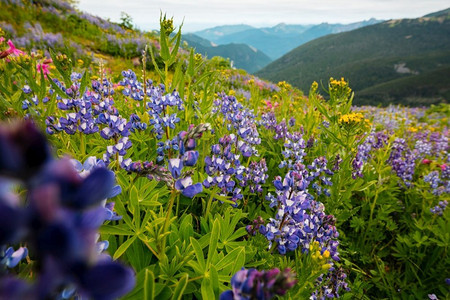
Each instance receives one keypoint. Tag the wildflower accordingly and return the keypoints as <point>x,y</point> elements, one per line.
<point>187,188</point>
<point>59,220</point>
<point>12,50</point>
<point>250,284</point>
<point>43,68</point>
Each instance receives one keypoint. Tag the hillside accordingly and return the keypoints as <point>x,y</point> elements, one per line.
<point>56,25</point>
<point>277,40</point>
<point>375,56</point>
<point>243,56</point>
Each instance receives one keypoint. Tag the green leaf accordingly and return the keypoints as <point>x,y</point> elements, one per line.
<point>237,234</point>
<point>198,253</point>
<point>84,83</point>
<point>115,230</point>
<point>180,287</point>
<point>240,261</point>
<point>214,281</point>
<point>213,241</point>
<point>134,203</point>
<point>190,68</point>
<point>164,51</point>
<point>121,250</point>
<point>229,259</point>
<point>207,289</point>
<point>158,70</point>
<point>173,55</point>
<point>149,285</point>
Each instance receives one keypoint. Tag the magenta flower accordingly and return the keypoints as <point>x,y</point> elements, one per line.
<point>13,50</point>
<point>44,68</point>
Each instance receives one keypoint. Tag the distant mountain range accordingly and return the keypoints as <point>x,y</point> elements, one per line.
<point>277,40</point>
<point>242,55</point>
<point>402,61</point>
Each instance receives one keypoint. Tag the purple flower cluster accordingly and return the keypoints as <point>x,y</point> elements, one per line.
<point>403,161</point>
<point>439,209</point>
<point>173,174</point>
<point>317,173</point>
<point>376,140</point>
<point>294,149</point>
<point>35,34</point>
<point>243,80</point>
<point>148,169</point>
<point>330,284</point>
<point>299,219</point>
<point>268,120</point>
<point>225,170</point>
<point>431,144</point>
<point>253,229</point>
<point>439,184</point>
<point>90,165</point>
<point>93,111</point>
<point>59,222</point>
<point>240,120</point>
<point>250,284</point>
<point>158,103</point>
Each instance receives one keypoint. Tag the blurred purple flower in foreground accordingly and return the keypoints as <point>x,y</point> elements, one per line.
<point>59,222</point>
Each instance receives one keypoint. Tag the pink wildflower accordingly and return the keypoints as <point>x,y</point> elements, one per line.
<point>12,50</point>
<point>44,68</point>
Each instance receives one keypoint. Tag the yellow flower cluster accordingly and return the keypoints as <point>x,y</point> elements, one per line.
<point>167,24</point>
<point>339,86</point>
<point>351,118</point>
<point>231,93</point>
<point>314,86</point>
<point>341,83</point>
<point>20,59</point>
<point>61,57</point>
<point>318,256</point>
<point>284,85</point>
<point>198,57</point>
<point>354,119</point>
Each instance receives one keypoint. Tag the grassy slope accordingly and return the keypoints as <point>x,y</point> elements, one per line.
<point>88,36</point>
<point>367,56</point>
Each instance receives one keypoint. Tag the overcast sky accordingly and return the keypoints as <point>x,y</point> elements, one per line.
<point>202,14</point>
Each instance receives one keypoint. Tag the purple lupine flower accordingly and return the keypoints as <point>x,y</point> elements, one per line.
<point>11,258</point>
<point>23,150</point>
<point>59,220</point>
<point>253,284</point>
<point>190,158</point>
<point>375,140</point>
<point>187,188</point>
<point>330,284</point>
<point>175,167</point>
<point>26,89</point>
<point>402,160</point>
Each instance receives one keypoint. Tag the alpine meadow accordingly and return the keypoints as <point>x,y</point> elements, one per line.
<point>145,164</point>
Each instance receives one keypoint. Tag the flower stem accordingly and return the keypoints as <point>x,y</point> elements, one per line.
<point>166,222</point>
<point>208,206</point>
